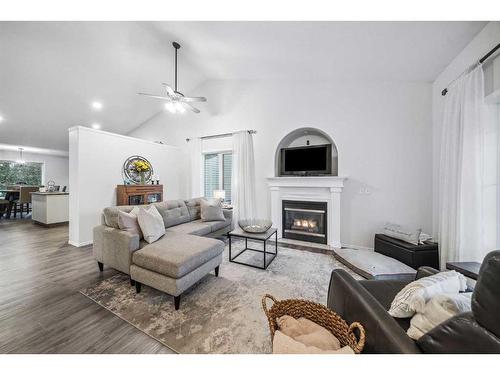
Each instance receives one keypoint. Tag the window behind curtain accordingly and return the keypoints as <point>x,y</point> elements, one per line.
<point>491,179</point>
<point>217,174</point>
<point>227,163</point>
<point>211,174</point>
<point>12,173</point>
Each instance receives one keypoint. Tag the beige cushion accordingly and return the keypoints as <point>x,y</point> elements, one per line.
<point>283,344</point>
<point>193,227</point>
<point>151,223</point>
<point>128,221</point>
<point>177,254</point>
<point>439,308</point>
<point>414,296</point>
<point>211,210</point>
<point>396,231</point>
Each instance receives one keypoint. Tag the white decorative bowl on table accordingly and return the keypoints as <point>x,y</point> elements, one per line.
<point>255,225</point>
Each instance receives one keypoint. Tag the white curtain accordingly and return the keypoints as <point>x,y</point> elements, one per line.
<point>461,236</point>
<point>243,176</point>
<point>491,178</point>
<point>195,163</point>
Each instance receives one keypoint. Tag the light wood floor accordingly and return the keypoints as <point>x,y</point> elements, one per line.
<point>41,310</point>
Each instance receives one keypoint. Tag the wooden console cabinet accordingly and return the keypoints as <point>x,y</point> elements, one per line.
<point>138,194</point>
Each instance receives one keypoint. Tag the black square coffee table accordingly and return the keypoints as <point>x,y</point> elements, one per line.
<point>263,237</point>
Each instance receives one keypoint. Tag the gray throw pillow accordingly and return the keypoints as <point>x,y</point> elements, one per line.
<point>151,224</point>
<point>128,221</point>
<point>212,210</point>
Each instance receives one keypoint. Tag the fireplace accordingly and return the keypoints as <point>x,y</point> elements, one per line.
<point>305,221</point>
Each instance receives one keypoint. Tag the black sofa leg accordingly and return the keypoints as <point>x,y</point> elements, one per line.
<point>101,266</point>
<point>132,282</point>
<point>217,271</point>
<point>177,302</point>
<point>138,286</point>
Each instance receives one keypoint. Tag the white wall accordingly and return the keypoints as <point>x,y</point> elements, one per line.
<point>382,131</point>
<point>54,168</point>
<point>96,159</point>
<point>477,48</point>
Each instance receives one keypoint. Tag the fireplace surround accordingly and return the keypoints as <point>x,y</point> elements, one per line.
<point>326,189</point>
<point>305,221</point>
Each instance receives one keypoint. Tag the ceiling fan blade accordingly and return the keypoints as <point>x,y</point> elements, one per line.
<point>190,99</point>
<point>189,106</point>
<point>170,90</point>
<point>156,96</point>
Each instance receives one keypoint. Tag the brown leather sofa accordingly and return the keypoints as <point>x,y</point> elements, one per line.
<point>367,302</point>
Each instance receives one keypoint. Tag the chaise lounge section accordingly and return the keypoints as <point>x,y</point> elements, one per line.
<point>183,256</point>
<point>175,262</point>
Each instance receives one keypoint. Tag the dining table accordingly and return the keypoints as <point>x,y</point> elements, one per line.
<point>11,195</point>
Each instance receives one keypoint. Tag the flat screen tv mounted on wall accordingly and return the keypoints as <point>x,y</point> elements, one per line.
<point>306,161</point>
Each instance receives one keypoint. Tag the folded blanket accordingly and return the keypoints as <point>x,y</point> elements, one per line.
<point>283,344</point>
<point>308,333</point>
<point>439,308</point>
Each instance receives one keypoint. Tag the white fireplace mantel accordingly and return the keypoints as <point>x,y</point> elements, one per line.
<point>318,189</point>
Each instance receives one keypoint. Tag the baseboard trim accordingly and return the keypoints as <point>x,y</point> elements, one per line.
<point>79,244</point>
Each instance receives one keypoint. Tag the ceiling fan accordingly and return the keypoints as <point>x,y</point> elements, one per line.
<point>176,102</point>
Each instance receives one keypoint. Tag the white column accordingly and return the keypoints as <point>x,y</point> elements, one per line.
<point>276,209</point>
<point>334,218</point>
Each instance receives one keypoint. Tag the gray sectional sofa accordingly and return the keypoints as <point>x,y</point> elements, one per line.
<point>175,262</point>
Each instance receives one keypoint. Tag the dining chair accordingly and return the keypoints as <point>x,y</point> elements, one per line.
<point>24,199</point>
<point>4,204</point>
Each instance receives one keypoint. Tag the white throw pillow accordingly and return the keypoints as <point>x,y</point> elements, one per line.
<point>440,308</point>
<point>128,221</point>
<point>396,231</point>
<point>151,223</point>
<point>413,297</point>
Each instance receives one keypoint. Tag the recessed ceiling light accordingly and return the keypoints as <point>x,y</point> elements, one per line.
<point>96,125</point>
<point>97,105</point>
<point>1,118</point>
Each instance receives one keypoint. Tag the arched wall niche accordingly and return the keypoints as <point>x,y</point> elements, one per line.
<point>299,138</point>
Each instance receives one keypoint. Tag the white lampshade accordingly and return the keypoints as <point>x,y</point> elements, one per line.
<point>220,194</point>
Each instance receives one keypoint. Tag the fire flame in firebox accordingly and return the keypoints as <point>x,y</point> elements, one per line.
<point>304,223</point>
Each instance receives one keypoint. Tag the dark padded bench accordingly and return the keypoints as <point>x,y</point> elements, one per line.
<point>414,256</point>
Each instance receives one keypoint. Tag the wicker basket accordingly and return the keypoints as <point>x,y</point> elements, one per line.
<point>317,313</point>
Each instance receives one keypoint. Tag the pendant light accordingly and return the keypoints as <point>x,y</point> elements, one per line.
<point>20,160</point>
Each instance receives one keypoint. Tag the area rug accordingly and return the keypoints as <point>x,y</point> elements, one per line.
<point>220,314</point>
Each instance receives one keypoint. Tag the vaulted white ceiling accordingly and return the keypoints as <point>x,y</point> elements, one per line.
<point>50,72</point>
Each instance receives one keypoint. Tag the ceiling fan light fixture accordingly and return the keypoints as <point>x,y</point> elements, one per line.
<point>179,107</point>
<point>176,101</point>
<point>169,106</point>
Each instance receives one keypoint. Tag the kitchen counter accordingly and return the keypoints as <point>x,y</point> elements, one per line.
<point>50,193</point>
<point>50,207</point>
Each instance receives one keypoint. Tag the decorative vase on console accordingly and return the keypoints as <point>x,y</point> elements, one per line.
<point>141,168</point>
